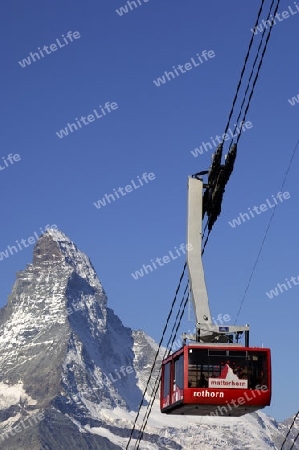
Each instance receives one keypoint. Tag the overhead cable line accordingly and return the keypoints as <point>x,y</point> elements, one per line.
<point>167,352</point>
<point>266,232</point>
<point>220,147</point>
<point>289,430</point>
<point>294,441</point>
<point>250,77</point>
<point>260,65</point>
<point>157,353</point>
<point>244,68</point>
<point>157,387</point>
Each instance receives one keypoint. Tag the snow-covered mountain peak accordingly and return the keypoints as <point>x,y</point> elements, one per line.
<point>54,247</point>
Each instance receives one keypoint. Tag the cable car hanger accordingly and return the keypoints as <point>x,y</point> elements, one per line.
<point>200,204</point>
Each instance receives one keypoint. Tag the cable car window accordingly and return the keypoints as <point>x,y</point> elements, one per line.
<point>258,370</point>
<point>166,384</point>
<point>250,366</point>
<point>179,372</point>
<point>217,352</point>
<point>237,353</point>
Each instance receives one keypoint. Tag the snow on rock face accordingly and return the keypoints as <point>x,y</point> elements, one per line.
<point>54,244</point>
<point>12,395</point>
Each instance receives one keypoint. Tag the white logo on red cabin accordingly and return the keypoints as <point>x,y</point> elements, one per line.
<point>227,379</point>
<point>178,394</point>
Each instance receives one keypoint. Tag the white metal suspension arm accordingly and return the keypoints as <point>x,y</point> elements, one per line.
<point>194,249</point>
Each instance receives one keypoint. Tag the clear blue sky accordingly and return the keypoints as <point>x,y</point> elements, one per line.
<point>153,130</point>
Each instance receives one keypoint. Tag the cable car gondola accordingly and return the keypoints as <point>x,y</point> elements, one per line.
<point>225,381</point>
<point>212,374</point>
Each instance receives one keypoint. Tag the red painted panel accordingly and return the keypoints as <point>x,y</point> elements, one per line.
<point>236,397</point>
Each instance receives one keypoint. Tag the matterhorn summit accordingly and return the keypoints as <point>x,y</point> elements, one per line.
<point>72,375</point>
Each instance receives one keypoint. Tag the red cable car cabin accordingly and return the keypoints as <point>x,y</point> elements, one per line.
<point>220,381</point>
